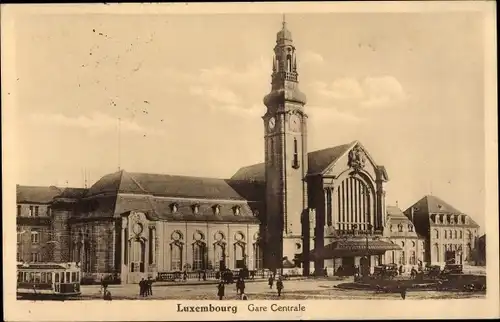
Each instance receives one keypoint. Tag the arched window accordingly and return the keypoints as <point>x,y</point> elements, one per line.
<point>455,234</point>
<point>289,62</point>
<point>461,235</point>
<point>445,234</point>
<point>413,259</point>
<point>257,255</point>
<point>239,255</point>
<point>198,256</point>
<point>176,257</point>
<point>402,259</point>
<point>436,233</point>
<point>219,256</point>
<point>436,251</point>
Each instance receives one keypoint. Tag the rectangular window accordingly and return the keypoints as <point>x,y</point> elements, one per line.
<point>35,237</point>
<point>68,280</point>
<point>35,257</point>
<point>31,211</point>
<point>49,278</point>
<point>18,210</point>
<point>49,211</point>
<point>36,211</point>
<point>73,277</point>
<point>57,278</point>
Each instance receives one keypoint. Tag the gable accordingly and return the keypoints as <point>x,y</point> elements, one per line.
<point>355,156</point>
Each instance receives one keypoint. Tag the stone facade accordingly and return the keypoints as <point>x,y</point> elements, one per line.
<point>449,234</point>
<point>312,210</point>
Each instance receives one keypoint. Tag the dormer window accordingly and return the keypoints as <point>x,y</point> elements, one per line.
<point>236,210</point>
<point>174,207</point>
<point>255,212</point>
<point>216,209</point>
<point>196,209</point>
<point>410,228</point>
<point>400,228</point>
<point>390,228</point>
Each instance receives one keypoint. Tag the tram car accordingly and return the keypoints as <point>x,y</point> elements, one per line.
<point>48,280</point>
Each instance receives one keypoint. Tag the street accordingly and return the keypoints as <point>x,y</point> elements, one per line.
<point>293,290</point>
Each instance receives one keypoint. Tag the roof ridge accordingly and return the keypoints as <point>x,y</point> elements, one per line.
<point>133,180</point>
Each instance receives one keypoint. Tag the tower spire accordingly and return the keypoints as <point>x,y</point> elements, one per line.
<point>284,21</point>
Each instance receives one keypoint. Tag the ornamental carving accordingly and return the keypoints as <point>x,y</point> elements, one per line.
<point>356,158</point>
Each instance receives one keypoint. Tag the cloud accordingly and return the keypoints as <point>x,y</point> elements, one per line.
<point>310,57</point>
<point>97,121</point>
<point>383,91</point>
<point>370,92</point>
<point>234,91</point>
<point>216,94</point>
<point>327,114</point>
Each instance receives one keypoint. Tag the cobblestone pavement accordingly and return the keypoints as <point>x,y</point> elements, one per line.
<point>294,290</point>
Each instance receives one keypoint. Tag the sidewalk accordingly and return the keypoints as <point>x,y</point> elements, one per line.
<point>196,282</point>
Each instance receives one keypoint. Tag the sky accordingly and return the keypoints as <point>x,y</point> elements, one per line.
<point>188,90</point>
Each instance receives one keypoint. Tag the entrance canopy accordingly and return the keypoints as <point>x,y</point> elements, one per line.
<point>355,247</point>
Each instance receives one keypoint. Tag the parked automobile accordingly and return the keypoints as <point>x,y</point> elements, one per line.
<point>432,272</point>
<point>385,271</point>
<point>453,269</point>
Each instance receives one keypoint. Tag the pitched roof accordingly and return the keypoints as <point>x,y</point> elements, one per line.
<point>318,161</point>
<point>255,172</point>
<point>432,204</point>
<point>394,211</point>
<point>177,186</point>
<point>36,194</point>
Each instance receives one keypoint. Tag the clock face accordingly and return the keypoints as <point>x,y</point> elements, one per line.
<point>272,123</point>
<point>294,123</point>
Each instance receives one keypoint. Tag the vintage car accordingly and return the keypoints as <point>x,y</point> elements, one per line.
<point>385,271</point>
<point>452,269</point>
<point>432,272</point>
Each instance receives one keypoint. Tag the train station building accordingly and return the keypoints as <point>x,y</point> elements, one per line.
<point>306,211</point>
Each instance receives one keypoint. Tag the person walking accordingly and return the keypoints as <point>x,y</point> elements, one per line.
<point>403,292</point>
<point>142,288</point>
<point>270,282</point>
<point>149,286</point>
<point>242,286</point>
<point>220,290</point>
<point>107,296</point>
<point>204,275</point>
<point>184,277</point>
<point>279,286</point>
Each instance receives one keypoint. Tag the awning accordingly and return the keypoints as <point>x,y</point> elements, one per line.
<point>354,247</point>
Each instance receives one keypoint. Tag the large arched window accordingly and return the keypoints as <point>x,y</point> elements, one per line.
<point>176,256</point>
<point>353,205</point>
<point>198,256</point>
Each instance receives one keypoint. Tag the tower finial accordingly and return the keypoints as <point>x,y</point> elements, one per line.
<point>284,21</point>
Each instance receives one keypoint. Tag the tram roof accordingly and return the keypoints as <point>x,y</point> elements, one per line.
<point>51,266</point>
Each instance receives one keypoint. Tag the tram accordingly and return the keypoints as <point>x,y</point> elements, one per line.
<point>48,280</point>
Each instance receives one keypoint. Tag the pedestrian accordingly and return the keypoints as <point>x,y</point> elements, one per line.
<point>217,275</point>
<point>403,292</point>
<point>238,285</point>
<point>279,286</point>
<point>401,270</point>
<point>220,290</point>
<point>150,286</point>
<point>142,287</point>
<point>204,275</point>
<point>184,277</point>
<point>199,275</point>
<point>242,286</point>
<point>270,282</point>
<point>107,296</point>
<point>252,274</point>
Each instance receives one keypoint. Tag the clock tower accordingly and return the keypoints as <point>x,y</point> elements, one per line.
<point>285,129</point>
